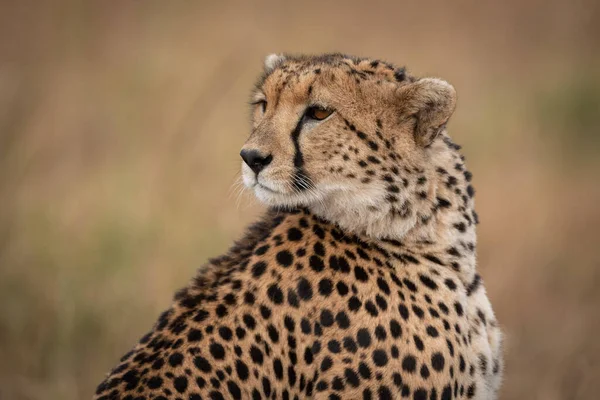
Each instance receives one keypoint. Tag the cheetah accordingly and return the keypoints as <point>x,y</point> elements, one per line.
<point>360,280</point>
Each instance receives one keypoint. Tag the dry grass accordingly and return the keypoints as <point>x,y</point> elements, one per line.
<point>120,126</point>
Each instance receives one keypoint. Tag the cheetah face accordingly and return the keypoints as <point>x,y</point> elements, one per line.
<point>333,132</point>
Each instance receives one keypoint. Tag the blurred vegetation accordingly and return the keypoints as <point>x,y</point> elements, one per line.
<point>120,127</point>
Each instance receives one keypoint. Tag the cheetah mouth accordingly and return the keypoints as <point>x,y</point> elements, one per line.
<point>266,188</point>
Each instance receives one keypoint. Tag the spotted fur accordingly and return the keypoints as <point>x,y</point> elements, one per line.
<point>360,281</point>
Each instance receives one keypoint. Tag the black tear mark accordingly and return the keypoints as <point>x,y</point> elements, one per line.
<point>300,179</point>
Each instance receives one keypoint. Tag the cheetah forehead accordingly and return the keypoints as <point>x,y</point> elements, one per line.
<point>357,68</point>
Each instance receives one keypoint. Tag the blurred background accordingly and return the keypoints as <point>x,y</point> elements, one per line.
<point>120,128</point>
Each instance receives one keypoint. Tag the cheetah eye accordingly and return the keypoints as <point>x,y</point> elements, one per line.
<point>317,113</point>
<point>261,104</point>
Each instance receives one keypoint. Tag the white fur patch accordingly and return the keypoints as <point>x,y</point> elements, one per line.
<point>272,60</point>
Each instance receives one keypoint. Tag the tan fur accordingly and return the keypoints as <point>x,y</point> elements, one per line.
<point>361,282</point>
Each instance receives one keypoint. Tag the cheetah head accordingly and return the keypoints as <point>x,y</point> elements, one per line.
<point>351,139</point>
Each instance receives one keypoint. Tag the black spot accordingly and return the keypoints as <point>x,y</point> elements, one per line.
<point>420,394</point>
<point>470,191</point>
<point>319,249</point>
<point>373,145</point>
<point>258,269</point>
<point>342,288</point>
<point>373,160</point>
<point>450,347</point>
<point>317,230</point>
<point>273,333</point>
<point>180,383</point>
<point>418,311</point>
<point>334,346</point>
<point>400,74</point>
<point>473,286</point>
<point>458,308</point>
<point>326,363</point>
<point>289,323</point>
<point>450,284</point>
<point>337,384</point>
<point>242,370</point>
<point>316,347</point>
<point>410,285</point>
<point>175,359</point>
<point>363,338</point>
<point>293,299</point>
<point>342,320</point>
<point>321,386</point>
<point>275,294</point>
<point>364,371</point>
<point>202,364</point>
<point>350,344</point>
<point>294,234</point>
<point>395,329</point>
<point>304,289</point>
<point>471,391</point>
<point>371,309</point>
<point>234,390</point>
<point>308,356</point>
<point>427,281</point>
<point>265,312</point>
<point>201,382</point>
<point>384,393</point>
<point>382,284</point>
<point>225,333</point>
<point>214,395</point>
<point>316,263</point>
<point>325,287</point>
<point>380,333</point>
<point>249,298</point>
<point>217,351</point>
<point>201,315</point>
<point>261,250</point>
<point>431,331</point>
<point>326,318</point>
<point>285,258</point>
<point>351,377</point>
<point>278,368</point>
<point>266,384</point>
<point>409,364</point>
<point>403,311</point>
<point>418,343</point>
<point>447,393</point>
<point>155,382</point>
<point>360,274</point>
<point>460,227</point>
<point>354,303</point>
<point>380,358</point>
<point>381,303</point>
<point>483,364</point>
<point>453,252</point>
<point>305,326</point>
<point>221,310</point>
<point>256,355</point>
<point>343,265</point>
<point>437,361</point>
<point>249,321</point>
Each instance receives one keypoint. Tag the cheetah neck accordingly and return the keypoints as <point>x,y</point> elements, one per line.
<point>439,224</point>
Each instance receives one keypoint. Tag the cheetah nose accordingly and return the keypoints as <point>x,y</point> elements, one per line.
<point>255,160</point>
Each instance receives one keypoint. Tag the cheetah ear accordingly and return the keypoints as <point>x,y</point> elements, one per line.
<point>272,61</point>
<point>431,102</point>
